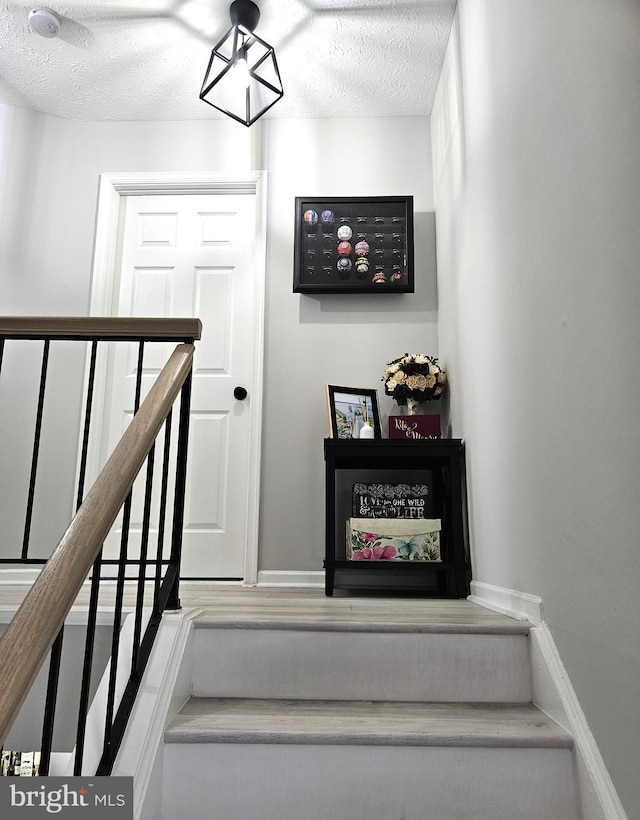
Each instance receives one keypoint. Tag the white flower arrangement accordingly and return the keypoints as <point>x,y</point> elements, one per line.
<point>414,377</point>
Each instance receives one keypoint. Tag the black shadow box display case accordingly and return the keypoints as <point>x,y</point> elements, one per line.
<point>353,245</point>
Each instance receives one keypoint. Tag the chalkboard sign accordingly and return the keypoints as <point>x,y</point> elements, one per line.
<point>392,501</point>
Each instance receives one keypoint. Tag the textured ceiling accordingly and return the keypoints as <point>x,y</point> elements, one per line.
<point>145,60</point>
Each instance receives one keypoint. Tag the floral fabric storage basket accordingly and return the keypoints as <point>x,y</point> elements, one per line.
<point>393,539</point>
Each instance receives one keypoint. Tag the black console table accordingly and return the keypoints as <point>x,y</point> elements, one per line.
<point>437,462</point>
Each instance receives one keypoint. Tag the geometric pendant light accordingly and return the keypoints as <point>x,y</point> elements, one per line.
<point>242,79</point>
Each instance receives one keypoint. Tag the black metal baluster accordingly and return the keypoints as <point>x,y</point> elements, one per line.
<point>87,666</point>
<point>122,566</point>
<point>142,569</point>
<point>83,707</point>
<point>117,622</point>
<point>50,704</point>
<point>56,649</point>
<point>87,424</point>
<point>173,601</point>
<point>163,511</point>
<point>36,452</point>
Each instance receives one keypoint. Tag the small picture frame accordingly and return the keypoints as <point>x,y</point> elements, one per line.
<point>350,408</point>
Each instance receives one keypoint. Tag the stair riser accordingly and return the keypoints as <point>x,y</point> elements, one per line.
<point>288,782</point>
<point>372,666</point>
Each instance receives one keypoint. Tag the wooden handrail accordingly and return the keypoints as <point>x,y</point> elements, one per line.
<point>29,636</point>
<point>102,328</point>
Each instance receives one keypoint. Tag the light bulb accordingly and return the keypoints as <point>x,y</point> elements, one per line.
<point>241,68</point>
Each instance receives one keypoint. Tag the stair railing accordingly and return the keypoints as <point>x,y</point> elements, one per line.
<point>37,628</point>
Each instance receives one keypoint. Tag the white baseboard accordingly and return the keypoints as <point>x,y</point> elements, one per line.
<point>290,578</point>
<point>554,694</point>
<point>518,605</point>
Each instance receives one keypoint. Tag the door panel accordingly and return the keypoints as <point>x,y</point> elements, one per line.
<point>192,255</point>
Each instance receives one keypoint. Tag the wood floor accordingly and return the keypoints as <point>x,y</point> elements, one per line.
<point>280,607</point>
<point>380,723</point>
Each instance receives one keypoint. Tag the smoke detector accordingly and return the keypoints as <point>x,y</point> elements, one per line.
<point>44,22</point>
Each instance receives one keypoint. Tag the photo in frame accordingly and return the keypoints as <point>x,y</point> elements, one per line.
<point>350,408</point>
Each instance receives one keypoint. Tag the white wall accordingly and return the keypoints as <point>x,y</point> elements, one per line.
<point>310,340</point>
<point>537,166</point>
<point>37,261</point>
<point>20,133</point>
<point>332,339</point>
<point>26,732</point>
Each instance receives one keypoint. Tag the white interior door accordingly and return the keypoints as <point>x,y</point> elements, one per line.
<point>194,255</point>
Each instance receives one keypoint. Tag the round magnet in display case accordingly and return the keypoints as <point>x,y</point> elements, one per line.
<point>327,219</point>
<point>311,217</point>
<point>344,232</point>
<point>344,249</point>
<point>362,265</point>
<point>379,278</point>
<point>344,264</point>
<point>362,248</point>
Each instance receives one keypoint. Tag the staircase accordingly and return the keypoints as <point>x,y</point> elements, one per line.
<point>306,708</point>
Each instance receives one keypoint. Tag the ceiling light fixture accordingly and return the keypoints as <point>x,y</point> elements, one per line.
<point>242,79</point>
<point>44,22</point>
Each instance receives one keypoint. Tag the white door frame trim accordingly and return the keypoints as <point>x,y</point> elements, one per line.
<point>112,188</point>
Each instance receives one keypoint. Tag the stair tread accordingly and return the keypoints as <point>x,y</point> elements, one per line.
<point>240,720</point>
<point>357,615</point>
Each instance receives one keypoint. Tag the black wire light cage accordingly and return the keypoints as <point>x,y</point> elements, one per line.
<point>242,79</point>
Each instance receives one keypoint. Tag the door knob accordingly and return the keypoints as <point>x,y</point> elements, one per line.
<point>240,393</point>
